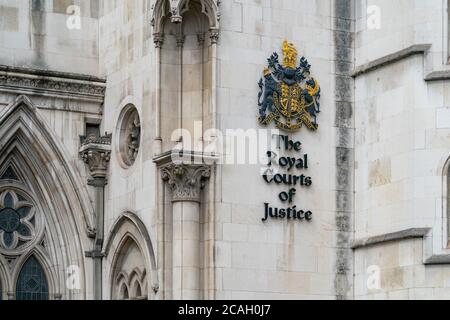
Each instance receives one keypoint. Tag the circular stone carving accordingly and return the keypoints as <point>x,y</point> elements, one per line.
<point>129,135</point>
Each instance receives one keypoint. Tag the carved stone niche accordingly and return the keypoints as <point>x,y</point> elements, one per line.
<point>129,136</point>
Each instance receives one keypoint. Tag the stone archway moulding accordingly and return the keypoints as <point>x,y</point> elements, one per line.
<point>129,225</point>
<point>28,145</point>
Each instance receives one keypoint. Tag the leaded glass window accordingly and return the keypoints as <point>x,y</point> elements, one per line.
<point>17,223</point>
<point>32,283</point>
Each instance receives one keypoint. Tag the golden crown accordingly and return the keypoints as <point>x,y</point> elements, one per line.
<point>290,54</point>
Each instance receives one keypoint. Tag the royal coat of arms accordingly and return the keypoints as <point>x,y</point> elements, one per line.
<point>289,96</point>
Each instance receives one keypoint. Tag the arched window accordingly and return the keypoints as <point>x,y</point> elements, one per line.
<point>32,283</point>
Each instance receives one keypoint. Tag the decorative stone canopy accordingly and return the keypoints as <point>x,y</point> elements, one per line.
<point>176,9</point>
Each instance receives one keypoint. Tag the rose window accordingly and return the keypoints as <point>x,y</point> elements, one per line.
<point>17,221</point>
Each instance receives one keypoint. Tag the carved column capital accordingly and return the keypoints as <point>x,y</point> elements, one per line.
<point>214,35</point>
<point>185,181</point>
<point>158,40</point>
<point>96,153</point>
<point>97,161</point>
<point>180,38</point>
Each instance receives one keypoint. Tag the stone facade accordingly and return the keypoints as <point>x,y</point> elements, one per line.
<point>93,94</point>
<point>400,149</point>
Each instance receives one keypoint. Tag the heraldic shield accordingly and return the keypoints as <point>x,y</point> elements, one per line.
<point>289,96</point>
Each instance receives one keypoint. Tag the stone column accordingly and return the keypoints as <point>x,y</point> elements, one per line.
<point>214,36</point>
<point>96,153</point>
<point>186,183</point>
<point>180,38</point>
<point>158,39</point>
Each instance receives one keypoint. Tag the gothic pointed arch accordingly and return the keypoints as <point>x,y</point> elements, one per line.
<point>38,257</point>
<point>33,165</point>
<point>136,279</point>
<point>32,280</point>
<point>130,255</point>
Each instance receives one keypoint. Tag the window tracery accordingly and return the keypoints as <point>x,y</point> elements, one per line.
<point>21,232</point>
<point>17,220</point>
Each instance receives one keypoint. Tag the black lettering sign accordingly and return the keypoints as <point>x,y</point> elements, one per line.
<point>280,172</point>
